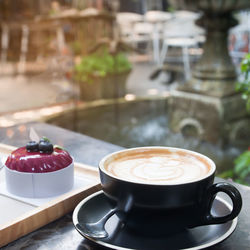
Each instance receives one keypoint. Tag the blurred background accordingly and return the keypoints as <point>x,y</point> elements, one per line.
<point>132,73</point>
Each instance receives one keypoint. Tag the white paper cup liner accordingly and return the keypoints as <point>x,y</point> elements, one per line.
<point>39,185</point>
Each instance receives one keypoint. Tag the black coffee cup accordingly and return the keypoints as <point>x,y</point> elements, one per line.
<point>179,205</point>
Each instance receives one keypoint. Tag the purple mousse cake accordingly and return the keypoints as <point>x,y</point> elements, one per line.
<point>39,170</point>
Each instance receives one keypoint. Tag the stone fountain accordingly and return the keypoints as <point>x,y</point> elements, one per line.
<point>208,106</point>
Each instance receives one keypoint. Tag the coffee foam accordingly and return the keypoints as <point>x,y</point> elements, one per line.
<point>158,166</point>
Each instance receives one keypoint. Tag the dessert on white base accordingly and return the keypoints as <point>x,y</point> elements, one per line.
<point>39,170</point>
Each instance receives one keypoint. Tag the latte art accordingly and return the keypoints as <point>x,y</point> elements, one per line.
<point>151,168</point>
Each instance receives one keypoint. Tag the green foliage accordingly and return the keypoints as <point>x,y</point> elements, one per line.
<point>242,164</point>
<point>44,138</point>
<point>100,65</point>
<point>244,86</point>
<point>241,169</point>
<point>171,9</point>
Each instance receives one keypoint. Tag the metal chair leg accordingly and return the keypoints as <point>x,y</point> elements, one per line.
<point>186,62</point>
<point>164,52</point>
<point>156,49</point>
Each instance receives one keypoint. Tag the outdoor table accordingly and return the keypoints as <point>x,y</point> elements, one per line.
<point>61,233</point>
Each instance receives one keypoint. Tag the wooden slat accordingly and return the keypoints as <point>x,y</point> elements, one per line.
<point>50,211</point>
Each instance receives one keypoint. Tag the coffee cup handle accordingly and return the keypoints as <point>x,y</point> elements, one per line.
<point>234,195</point>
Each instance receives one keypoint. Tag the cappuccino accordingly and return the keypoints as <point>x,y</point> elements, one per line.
<point>158,166</point>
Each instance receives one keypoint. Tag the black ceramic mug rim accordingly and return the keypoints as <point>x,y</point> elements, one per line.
<point>207,159</point>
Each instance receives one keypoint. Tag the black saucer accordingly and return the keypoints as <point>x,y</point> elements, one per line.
<point>92,208</point>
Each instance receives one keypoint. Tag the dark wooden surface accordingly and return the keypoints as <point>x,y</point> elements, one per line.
<point>61,234</point>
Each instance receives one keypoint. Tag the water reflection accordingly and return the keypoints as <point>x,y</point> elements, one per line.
<point>140,123</point>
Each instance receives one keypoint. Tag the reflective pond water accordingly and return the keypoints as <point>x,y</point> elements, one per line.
<point>138,123</point>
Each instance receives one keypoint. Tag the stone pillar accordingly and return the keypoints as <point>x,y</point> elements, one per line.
<point>214,74</point>
<point>208,106</point>
<point>212,119</point>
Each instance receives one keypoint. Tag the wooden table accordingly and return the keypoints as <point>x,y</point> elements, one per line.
<point>61,233</point>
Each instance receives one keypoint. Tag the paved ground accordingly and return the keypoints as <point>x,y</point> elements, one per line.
<point>20,94</point>
<point>139,82</point>
<point>23,92</point>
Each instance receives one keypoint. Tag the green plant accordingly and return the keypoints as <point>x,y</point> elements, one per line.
<point>241,169</point>
<point>100,64</point>
<point>244,86</point>
<point>242,166</point>
<point>171,9</point>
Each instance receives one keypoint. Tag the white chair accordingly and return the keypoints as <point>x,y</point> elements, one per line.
<point>142,33</point>
<point>180,42</point>
<point>133,29</point>
<point>157,16</point>
<point>126,22</point>
<point>181,32</point>
<point>184,14</point>
<point>157,19</point>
